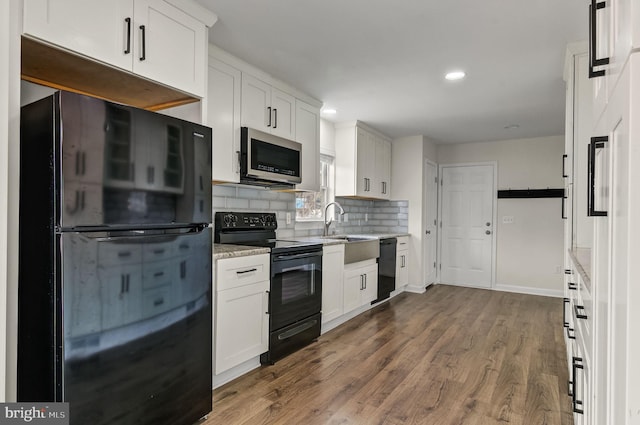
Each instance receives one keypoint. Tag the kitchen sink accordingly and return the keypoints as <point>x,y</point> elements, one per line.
<point>358,248</point>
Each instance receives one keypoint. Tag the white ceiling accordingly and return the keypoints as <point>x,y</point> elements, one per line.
<point>383,62</point>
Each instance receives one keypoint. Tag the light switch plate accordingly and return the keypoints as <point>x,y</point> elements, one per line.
<point>507,219</point>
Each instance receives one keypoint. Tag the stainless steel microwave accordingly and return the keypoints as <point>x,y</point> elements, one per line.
<point>268,160</point>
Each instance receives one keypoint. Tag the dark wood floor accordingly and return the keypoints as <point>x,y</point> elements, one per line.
<point>449,356</point>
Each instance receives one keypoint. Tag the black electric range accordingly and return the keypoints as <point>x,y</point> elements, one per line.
<point>255,229</point>
<point>295,294</point>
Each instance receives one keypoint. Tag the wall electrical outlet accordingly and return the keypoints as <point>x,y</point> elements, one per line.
<point>288,218</point>
<point>507,219</point>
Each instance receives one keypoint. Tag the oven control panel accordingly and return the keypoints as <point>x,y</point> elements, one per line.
<point>245,220</point>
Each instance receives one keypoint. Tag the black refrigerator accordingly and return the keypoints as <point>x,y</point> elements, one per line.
<point>114,313</point>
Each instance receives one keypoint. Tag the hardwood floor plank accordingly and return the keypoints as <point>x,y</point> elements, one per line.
<point>450,356</point>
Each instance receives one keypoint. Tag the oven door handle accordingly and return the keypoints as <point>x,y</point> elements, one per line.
<point>286,257</point>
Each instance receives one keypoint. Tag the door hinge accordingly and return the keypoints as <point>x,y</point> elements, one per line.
<point>440,266</point>
<point>441,180</point>
<point>434,264</point>
<point>436,179</point>
<point>441,225</point>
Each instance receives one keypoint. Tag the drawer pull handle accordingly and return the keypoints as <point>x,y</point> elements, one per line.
<point>580,308</point>
<point>569,335</point>
<point>158,302</point>
<point>247,271</point>
<point>572,286</point>
<point>158,274</point>
<point>124,254</point>
<point>577,364</point>
<point>158,251</point>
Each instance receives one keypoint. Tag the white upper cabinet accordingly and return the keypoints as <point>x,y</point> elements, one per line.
<point>94,28</point>
<point>308,135</point>
<point>363,162</point>
<point>266,108</point>
<point>623,35</point>
<point>171,47</point>
<point>383,167</point>
<point>236,98</point>
<point>223,115</point>
<point>152,39</point>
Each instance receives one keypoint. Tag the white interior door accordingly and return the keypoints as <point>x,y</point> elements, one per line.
<point>431,223</point>
<point>467,226</point>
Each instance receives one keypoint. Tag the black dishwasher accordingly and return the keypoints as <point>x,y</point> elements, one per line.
<point>386,269</point>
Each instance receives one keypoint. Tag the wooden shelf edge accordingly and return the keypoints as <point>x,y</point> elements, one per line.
<point>50,66</point>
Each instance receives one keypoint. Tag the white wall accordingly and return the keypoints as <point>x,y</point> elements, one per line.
<point>10,29</point>
<point>529,251</point>
<point>407,178</point>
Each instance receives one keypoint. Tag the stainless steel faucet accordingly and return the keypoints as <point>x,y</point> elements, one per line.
<point>327,221</point>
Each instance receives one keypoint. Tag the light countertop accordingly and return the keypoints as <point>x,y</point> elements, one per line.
<point>230,251</point>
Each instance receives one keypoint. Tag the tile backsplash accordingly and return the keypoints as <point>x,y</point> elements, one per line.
<point>364,216</point>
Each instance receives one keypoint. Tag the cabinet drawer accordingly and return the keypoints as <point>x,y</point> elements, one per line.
<point>235,272</point>
<point>403,243</point>
<point>583,311</point>
<point>114,254</point>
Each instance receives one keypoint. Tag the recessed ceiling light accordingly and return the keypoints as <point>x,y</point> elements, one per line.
<point>511,126</point>
<point>329,111</point>
<point>455,75</point>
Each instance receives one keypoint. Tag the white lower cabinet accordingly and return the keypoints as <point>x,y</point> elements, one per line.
<point>241,319</point>
<point>360,284</point>
<point>402,265</point>
<point>578,323</point>
<point>332,282</point>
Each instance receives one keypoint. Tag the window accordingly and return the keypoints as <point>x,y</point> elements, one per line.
<point>310,205</point>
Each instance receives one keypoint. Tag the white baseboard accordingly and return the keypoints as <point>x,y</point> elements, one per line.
<point>556,293</point>
<point>415,289</point>
<point>235,372</point>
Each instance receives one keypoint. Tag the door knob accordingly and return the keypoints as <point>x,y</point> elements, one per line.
<point>428,232</point>
<point>488,232</point>
<point>488,224</point>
